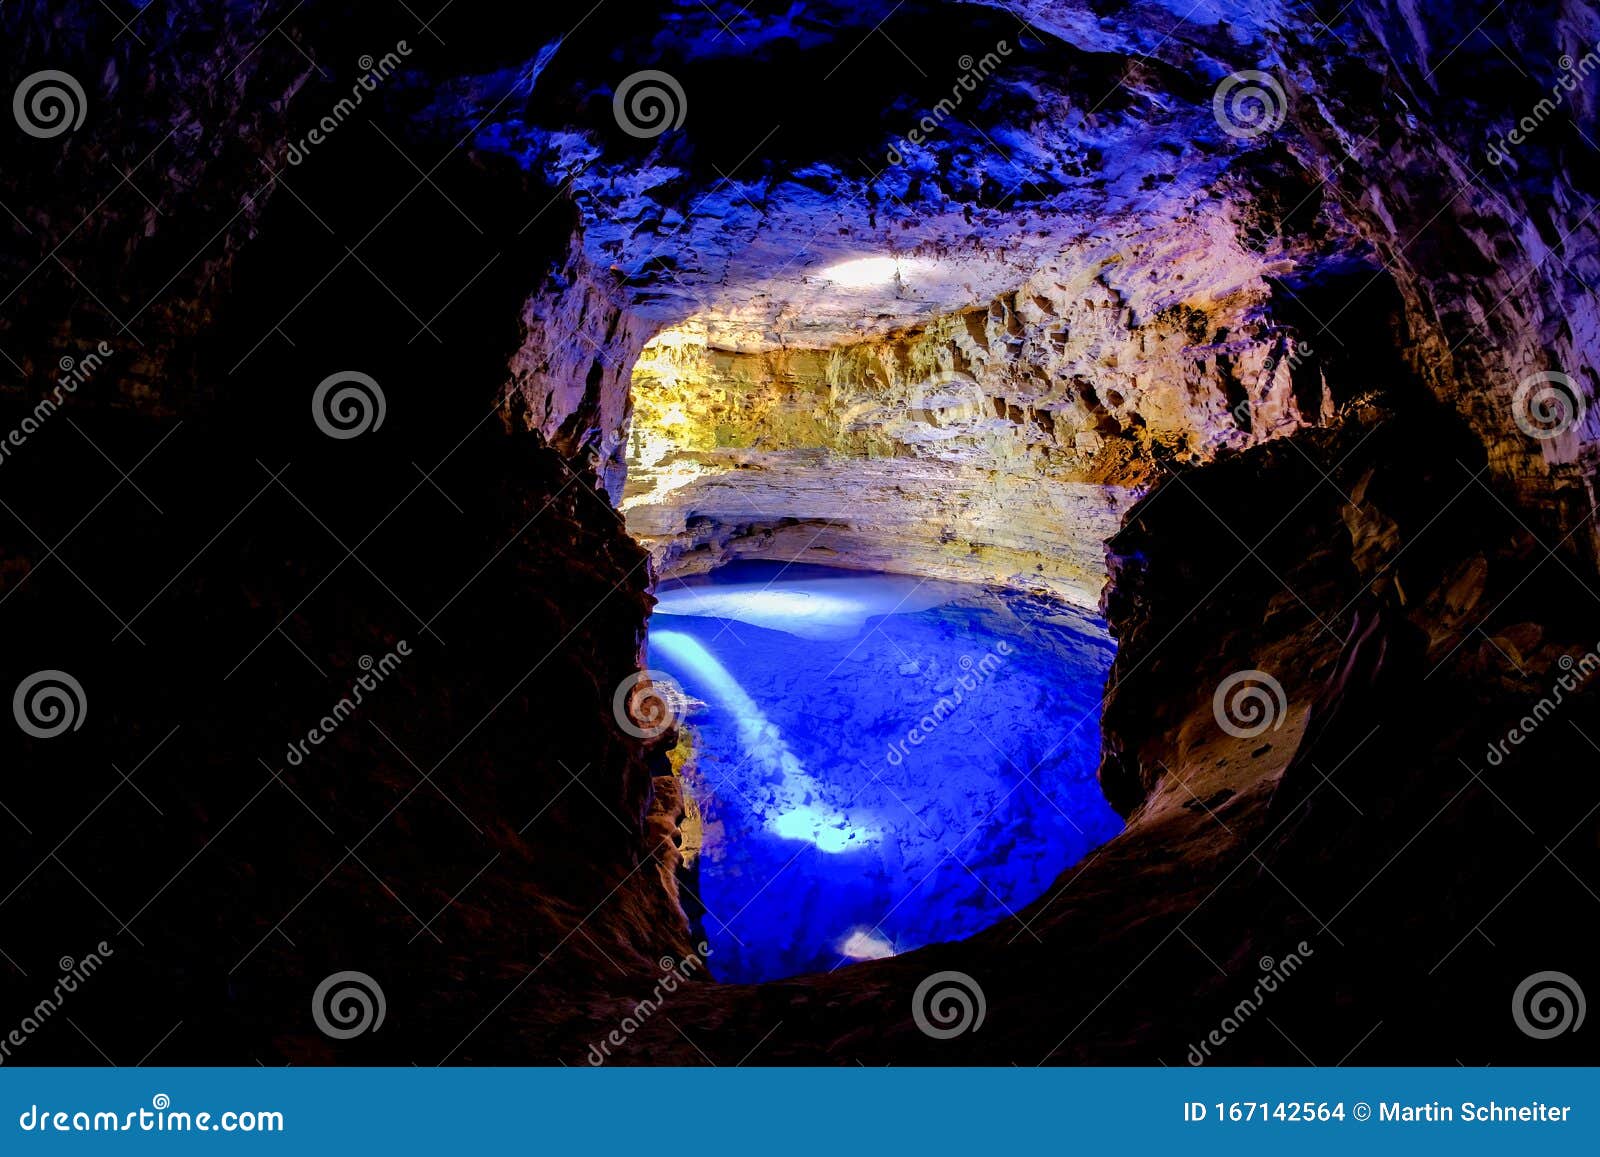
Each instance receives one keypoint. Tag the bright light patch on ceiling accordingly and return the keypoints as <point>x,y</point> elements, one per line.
<point>863,271</point>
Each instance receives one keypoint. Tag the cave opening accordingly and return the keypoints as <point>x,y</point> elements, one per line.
<point>878,530</point>
<point>876,568</point>
<point>874,761</point>
<point>890,496</point>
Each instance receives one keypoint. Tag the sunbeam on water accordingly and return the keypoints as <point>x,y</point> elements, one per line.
<point>791,815</point>
<point>880,762</point>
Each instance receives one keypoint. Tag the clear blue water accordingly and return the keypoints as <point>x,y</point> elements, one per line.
<point>881,762</point>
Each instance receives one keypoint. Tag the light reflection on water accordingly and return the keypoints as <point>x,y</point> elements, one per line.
<point>882,763</point>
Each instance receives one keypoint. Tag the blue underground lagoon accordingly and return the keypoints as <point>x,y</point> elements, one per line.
<point>875,762</point>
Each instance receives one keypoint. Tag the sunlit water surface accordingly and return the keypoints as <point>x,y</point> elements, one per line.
<point>881,762</point>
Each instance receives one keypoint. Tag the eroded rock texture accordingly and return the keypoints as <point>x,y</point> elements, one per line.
<point>1001,444</point>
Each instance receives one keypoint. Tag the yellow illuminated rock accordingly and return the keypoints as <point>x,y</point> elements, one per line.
<point>999,444</point>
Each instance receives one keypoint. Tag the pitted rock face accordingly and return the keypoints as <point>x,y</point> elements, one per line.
<point>986,147</point>
<point>1001,444</point>
<point>832,174</point>
<point>1254,168</point>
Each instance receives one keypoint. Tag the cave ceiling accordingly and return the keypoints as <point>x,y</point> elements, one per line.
<point>811,175</point>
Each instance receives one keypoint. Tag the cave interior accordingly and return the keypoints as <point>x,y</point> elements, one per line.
<point>1076,495</point>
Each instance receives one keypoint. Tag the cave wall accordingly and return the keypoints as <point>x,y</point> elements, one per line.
<point>1499,281</point>
<point>1403,110</point>
<point>220,554</point>
<point>569,377</point>
<point>1382,125</point>
<point>1001,444</point>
